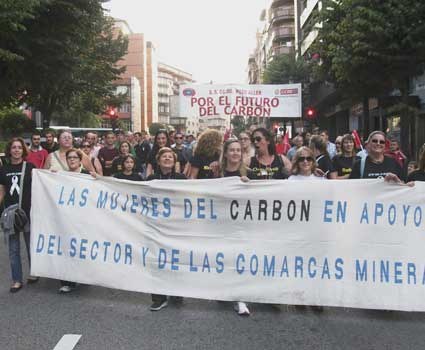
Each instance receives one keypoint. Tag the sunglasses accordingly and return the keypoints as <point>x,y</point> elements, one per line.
<point>257,139</point>
<point>381,142</point>
<point>178,138</point>
<point>303,159</point>
<point>85,146</point>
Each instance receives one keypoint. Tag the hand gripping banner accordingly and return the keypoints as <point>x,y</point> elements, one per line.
<point>351,243</point>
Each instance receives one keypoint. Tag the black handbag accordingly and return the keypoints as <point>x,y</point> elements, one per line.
<point>21,218</point>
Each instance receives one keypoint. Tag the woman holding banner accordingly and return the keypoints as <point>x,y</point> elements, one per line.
<point>376,164</point>
<point>161,140</point>
<point>266,164</point>
<point>15,189</point>
<point>232,165</point>
<point>166,160</point>
<point>343,162</point>
<point>419,174</point>
<point>304,165</point>
<point>74,159</point>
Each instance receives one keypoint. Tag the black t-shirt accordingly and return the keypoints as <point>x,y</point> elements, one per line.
<point>324,163</point>
<point>181,157</point>
<point>132,177</point>
<point>142,151</point>
<point>343,165</point>
<point>249,173</point>
<point>376,170</point>
<point>203,164</point>
<point>171,176</point>
<point>10,177</point>
<point>416,175</point>
<point>276,170</point>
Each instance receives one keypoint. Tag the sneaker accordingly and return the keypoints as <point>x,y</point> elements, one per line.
<point>65,289</point>
<point>241,308</point>
<point>158,305</point>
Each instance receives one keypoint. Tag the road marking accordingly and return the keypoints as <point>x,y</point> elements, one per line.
<point>68,342</point>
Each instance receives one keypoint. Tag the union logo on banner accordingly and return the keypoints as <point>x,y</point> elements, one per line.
<point>189,92</point>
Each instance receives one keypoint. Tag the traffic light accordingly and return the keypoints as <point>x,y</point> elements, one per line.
<point>113,116</point>
<point>310,113</point>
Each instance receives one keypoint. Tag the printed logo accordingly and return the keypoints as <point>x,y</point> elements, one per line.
<point>189,92</point>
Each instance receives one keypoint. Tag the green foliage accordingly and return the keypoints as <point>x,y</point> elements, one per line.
<point>153,129</point>
<point>13,13</point>
<point>368,48</point>
<point>14,123</point>
<point>286,69</point>
<point>240,123</point>
<point>68,55</point>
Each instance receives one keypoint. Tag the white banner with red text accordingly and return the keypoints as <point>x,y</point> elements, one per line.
<point>350,243</point>
<point>278,101</point>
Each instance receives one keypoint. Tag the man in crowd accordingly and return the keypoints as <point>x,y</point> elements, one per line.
<point>142,149</point>
<point>298,142</point>
<point>37,155</point>
<point>108,153</point>
<point>330,147</point>
<point>180,149</point>
<point>50,145</point>
<point>395,153</point>
<point>92,138</point>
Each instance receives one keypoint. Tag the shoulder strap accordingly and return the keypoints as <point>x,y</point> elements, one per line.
<point>59,160</point>
<point>362,166</point>
<point>21,183</point>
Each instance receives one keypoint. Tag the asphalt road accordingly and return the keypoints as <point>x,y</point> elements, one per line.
<point>37,317</point>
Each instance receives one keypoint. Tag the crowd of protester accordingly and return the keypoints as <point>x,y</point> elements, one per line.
<point>255,154</point>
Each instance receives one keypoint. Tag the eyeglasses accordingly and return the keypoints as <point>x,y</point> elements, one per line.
<point>257,139</point>
<point>72,157</point>
<point>303,159</point>
<point>381,142</point>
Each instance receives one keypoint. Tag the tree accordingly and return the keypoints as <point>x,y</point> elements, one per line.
<point>369,48</point>
<point>155,127</point>
<point>14,123</point>
<point>286,69</point>
<point>69,53</point>
<point>13,14</point>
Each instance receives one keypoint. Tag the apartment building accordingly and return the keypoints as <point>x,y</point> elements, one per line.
<point>277,37</point>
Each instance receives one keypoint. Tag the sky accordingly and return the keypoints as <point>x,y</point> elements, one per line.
<point>212,39</point>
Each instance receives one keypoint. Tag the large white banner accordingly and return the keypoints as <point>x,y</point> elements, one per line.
<point>352,243</point>
<point>280,101</point>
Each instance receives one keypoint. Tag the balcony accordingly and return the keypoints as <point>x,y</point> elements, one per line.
<point>281,2</point>
<point>281,13</point>
<point>283,32</point>
<point>282,50</point>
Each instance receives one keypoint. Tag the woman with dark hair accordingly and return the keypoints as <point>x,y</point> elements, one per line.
<point>128,172</point>
<point>161,140</point>
<point>57,160</point>
<point>343,162</point>
<point>124,150</point>
<point>266,164</point>
<point>304,165</point>
<point>166,160</point>
<point>205,160</point>
<point>10,189</point>
<point>323,161</point>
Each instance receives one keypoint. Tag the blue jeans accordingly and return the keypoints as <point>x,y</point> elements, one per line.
<point>15,255</point>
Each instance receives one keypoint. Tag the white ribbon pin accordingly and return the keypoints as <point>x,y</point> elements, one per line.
<point>15,185</point>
